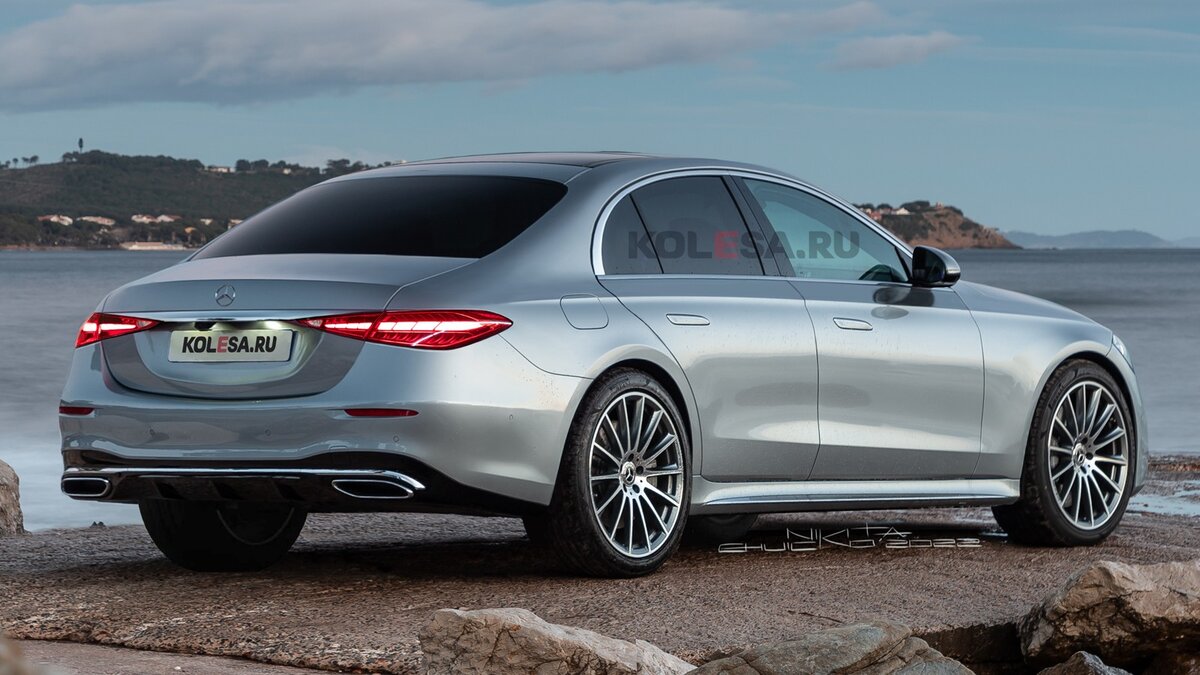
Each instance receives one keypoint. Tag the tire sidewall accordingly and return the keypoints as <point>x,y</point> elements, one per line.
<point>1059,385</point>
<point>578,460</point>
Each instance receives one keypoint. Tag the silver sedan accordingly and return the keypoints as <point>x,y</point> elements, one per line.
<point>617,348</point>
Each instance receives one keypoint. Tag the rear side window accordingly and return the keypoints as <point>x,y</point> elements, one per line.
<point>627,248</point>
<point>696,227</point>
<point>439,216</point>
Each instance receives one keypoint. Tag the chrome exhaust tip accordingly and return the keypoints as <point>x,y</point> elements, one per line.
<point>372,488</point>
<point>86,487</point>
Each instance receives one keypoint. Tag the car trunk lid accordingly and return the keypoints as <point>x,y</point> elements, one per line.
<point>219,316</point>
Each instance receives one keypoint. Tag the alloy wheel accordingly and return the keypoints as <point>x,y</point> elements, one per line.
<point>1088,449</point>
<point>636,472</point>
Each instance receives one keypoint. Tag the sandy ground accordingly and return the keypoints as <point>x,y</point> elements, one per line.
<point>67,658</point>
<point>356,589</point>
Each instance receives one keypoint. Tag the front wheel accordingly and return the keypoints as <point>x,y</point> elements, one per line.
<point>209,537</point>
<point>1078,473</point>
<point>620,502</point>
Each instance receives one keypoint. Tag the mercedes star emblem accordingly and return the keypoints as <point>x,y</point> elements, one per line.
<point>226,295</point>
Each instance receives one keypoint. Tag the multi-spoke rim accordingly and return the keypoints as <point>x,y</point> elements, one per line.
<point>636,471</point>
<point>1088,448</point>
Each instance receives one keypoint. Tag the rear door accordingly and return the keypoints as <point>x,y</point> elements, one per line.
<point>679,254</point>
<point>901,367</point>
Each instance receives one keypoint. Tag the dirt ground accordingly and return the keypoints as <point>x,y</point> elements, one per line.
<point>356,589</point>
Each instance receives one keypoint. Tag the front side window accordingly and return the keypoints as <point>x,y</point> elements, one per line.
<point>438,216</point>
<point>820,240</point>
<point>695,227</point>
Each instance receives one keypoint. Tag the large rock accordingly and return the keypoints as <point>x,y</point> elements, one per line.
<point>1083,663</point>
<point>502,641</point>
<point>1126,614</point>
<point>871,648</point>
<point>11,521</point>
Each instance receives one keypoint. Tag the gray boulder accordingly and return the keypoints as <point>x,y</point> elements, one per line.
<point>870,649</point>
<point>1126,614</point>
<point>1083,663</point>
<point>503,641</point>
<point>11,520</point>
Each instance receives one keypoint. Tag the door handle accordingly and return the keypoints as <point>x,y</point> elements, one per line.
<point>687,319</point>
<point>852,324</point>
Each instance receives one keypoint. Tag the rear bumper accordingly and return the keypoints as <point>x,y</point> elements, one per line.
<point>488,422</point>
<point>338,482</point>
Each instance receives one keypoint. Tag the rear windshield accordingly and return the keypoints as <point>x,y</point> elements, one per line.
<point>440,216</point>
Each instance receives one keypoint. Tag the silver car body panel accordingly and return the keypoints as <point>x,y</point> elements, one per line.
<point>930,406</point>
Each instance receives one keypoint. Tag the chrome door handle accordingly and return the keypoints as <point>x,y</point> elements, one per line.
<point>687,319</point>
<point>852,324</point>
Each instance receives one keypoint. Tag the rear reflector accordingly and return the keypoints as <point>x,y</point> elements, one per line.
<point>75,410</point>
<point>423,329</point>
<point>380,412</point>
<point>104,326</point>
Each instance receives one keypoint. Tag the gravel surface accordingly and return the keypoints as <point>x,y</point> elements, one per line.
<point>356,589</point>
<point>66,658</point>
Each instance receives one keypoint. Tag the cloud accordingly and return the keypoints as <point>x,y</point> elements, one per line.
<point>263,50</point>
<point>893,50</point>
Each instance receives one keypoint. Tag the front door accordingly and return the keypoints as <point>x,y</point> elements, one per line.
<point>900,367</point>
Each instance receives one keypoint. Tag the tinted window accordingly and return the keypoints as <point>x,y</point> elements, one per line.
<point>627,248</point>
<point>821,241</point>
<point>696,227</point>
<point>445,216</point>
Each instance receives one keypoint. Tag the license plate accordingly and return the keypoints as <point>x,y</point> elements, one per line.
<point>193,346</point>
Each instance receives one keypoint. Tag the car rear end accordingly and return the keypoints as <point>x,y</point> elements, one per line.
<point>285,364</point>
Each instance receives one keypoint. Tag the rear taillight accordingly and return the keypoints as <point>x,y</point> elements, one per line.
<point>103,326</point>
<point>423,329</point>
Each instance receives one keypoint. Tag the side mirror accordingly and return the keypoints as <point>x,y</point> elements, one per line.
<point>934,268</point>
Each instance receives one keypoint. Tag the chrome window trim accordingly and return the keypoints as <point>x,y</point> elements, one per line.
<point>773,277</point>
<point>716,171</point>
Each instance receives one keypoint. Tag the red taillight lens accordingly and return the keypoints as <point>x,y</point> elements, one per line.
<point>75,410</point>
<point>103,326</point>
<point>424,329</point>
<point>380,412</point>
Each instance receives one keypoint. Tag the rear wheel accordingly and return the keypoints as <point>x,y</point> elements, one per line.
<point>1078,473</point>
<point>620,502</point>
<point>208,537</point>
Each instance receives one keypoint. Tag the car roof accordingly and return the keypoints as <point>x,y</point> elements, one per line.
<point>587,160</point>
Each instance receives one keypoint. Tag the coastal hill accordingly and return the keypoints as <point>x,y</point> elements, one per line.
<point>923,224</point>
<point>103,200</point>
<point>1093,239</point>
<point>99,200</point>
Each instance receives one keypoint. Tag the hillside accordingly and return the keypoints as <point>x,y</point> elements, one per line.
<point>1093,239</point>
<point>196,202</point>
<point>923,224</point>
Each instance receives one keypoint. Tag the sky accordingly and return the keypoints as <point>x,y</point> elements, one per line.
<point>1050,116</point>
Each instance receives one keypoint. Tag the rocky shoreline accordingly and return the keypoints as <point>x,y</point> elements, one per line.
<point>359,590</point>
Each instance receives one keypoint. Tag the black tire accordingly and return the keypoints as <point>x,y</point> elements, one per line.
<point>210,537</point>
<point>1037,519</point>
<point>572,525</point>
<point>722,529</point>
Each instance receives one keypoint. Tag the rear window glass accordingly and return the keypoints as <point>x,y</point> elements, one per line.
<point>439,216</point>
